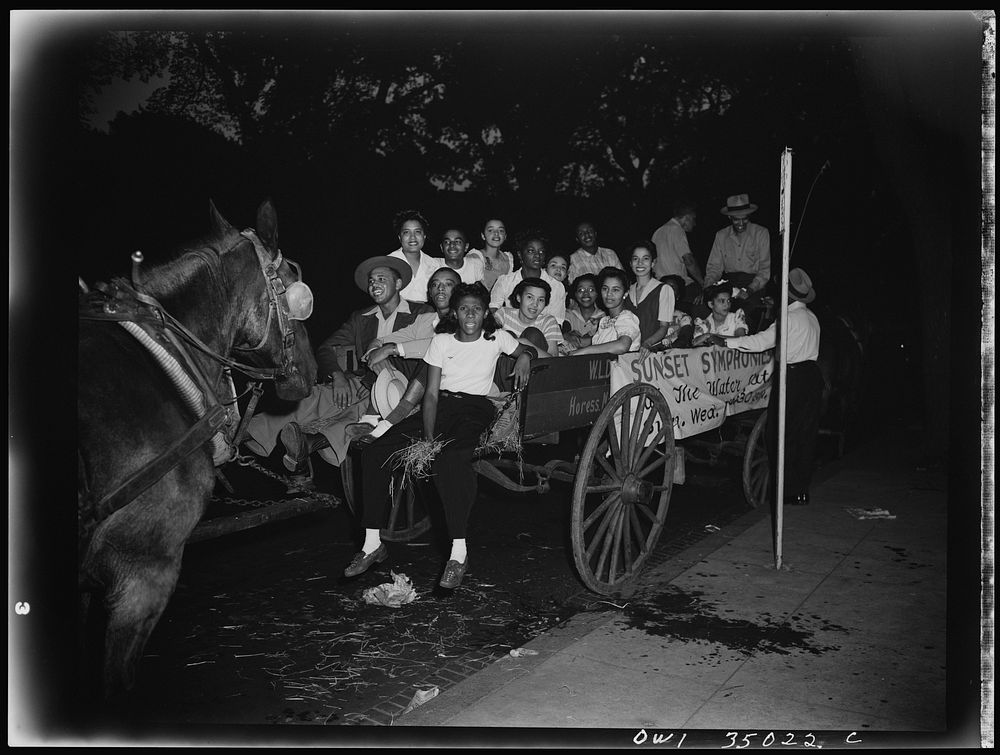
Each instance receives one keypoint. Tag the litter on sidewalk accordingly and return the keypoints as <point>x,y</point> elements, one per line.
<point>421,697</point>
<point>520,652</point>
<point>393,594</point>
<point>875,513</point>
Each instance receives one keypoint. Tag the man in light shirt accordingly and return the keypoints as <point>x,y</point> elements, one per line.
<point>590,258</point>
<point>454,248</point>
<point>405,349</point>
<point>673,254</point>
<point>803,386</point>
<point>741,255</point>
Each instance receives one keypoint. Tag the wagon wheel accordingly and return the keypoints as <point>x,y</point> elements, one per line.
<point>408,516</point>
<point>622,489</point>
<point>756,465</point>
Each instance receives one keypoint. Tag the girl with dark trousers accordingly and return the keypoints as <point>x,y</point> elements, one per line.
<point>461,362</point>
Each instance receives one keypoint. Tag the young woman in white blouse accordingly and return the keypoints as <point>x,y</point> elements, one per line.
<point>618,330</point>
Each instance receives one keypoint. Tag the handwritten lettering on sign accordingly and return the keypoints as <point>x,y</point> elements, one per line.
<point>702,386</point>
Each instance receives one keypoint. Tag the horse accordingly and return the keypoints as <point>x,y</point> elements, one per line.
<point>156,415</point>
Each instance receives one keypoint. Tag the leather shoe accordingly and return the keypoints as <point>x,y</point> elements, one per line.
<point>296,446</point>
<point>453,573</point>
<point>361,561</point>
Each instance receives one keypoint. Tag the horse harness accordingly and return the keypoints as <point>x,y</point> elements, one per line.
<point>165,337</point>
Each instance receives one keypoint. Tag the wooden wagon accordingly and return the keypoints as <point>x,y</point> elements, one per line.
<point>623,476</point>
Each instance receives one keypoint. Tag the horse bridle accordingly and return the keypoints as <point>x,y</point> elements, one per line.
<point>208,425</point>
<point>294,302</point>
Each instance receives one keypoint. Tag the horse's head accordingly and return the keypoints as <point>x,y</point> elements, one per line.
<point>276,302</point>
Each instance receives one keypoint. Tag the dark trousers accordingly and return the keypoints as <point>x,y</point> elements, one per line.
<point>461,420</point>
<point>804,392</point>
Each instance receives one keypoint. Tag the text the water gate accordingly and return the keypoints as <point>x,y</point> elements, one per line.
<point>702,386</point>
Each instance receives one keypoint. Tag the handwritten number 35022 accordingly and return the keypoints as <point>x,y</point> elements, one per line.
<point>735,741</point>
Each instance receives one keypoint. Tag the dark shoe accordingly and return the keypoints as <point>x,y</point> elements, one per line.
<point>453,573</point>
<point>296,446</point>
<point>361,561</point>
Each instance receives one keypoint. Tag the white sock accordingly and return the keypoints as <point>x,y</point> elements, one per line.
<point>458,551</point>
<point>372,541</point>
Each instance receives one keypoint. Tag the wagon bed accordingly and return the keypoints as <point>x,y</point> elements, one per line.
<point>623,476</point>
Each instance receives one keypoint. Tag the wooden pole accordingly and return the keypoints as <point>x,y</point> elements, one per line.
<point>784,229</point>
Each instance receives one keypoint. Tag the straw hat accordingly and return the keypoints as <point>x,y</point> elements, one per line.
<point>800,285</point>
<point>400,266</point>
<point>739,206</point>
<point>388,390</point>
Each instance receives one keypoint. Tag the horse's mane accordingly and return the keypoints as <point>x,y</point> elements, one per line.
<point>187,265</point>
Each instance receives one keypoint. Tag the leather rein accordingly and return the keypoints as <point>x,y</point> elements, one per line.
<point>128,304</point>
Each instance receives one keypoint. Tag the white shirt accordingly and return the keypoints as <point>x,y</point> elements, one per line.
<point>468,366</point>
<point>385,323</point>
<point>671,244</point>
<point>665,307</point>
<point>803,336</point>
<point>505,285</point>
<point>582,261</point>
<point>473,269</point>
<point>416,289</point>
<point>625,323</point>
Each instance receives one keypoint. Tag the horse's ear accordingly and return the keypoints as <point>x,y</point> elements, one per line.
<point>267,225</point>
<point>220,225</point>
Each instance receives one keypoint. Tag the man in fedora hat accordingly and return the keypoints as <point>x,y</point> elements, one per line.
<point>803,386</point>
<point>408,345</point>
<point>341,398</point>
<point>741,254</point>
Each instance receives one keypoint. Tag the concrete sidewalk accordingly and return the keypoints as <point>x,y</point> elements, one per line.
<point>848,636</point>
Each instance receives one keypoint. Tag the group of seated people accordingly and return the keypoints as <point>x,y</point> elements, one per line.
<point>417,298</point>
<point>607,310</point>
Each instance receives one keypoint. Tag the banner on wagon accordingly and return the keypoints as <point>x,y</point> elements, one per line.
<point>702,386</point>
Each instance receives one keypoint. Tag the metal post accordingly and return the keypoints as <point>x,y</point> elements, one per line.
<point>784,228</point>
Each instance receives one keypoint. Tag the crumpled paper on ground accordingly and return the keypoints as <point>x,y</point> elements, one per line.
<point>521,652</point>
<point>393,594</point>
<point>421,697</point>
<point>870,514</point>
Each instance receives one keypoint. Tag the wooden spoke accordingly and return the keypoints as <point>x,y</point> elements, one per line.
<point>640,536</point>
<point>608,488</point>
<point>652,447</point>
<point>598,536</point>
<point>612,473</point>
<point>756,465</point>
<point>626,538</point>
<point>624,434</point>
<point>607,539</point>
<point>653,465</point>
<point>616,453</point>
<point>647,511</point>
<point>601,509</point>
<point>638,436</point>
